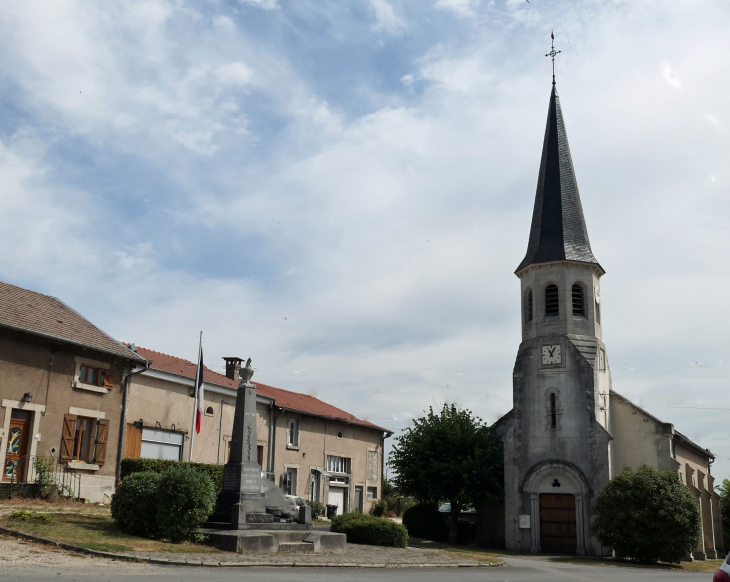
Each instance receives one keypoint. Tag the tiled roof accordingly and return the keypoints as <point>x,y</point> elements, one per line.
<point>284,398</point>
<point>49,317</point>
<point>558,230</point>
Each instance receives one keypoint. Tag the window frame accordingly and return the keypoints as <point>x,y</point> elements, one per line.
<point>580,288</point>
<point>529,306</point>
<point>78,437</point>
<point>292,433</point>
<point>371,493</point>
<point>548,288</point>
<point>336,462</point>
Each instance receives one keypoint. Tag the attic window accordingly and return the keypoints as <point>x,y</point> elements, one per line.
<point>552,301</point>
<point>579,309</point>
<point>528,306</point>
<point>209,411</point>
<point>339,434</point>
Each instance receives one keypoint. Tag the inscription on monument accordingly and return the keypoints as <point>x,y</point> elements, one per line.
<point>250,478</point>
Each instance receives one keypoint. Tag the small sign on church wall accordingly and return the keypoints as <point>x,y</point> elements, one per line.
<point>525,521</point>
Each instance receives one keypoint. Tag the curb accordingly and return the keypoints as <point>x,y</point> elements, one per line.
<point>212,564</point>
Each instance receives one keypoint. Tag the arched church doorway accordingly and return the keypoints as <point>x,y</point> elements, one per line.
<point>557,515</point>
<point>557,523</point>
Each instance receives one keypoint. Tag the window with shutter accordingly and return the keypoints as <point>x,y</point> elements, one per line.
<point>552,301</point>
<point>101,438</point>
<point>108,379</point>
<point>67,438</point>
<point>578,301</point>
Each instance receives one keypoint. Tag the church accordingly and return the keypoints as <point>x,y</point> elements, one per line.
<point>568,432</point>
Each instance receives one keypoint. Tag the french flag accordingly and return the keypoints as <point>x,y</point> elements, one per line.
<point>199,396</point>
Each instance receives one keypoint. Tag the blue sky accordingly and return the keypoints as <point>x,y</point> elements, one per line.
<point>342,190</point>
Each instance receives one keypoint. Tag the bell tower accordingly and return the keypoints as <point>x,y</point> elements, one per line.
<point>556,446</point>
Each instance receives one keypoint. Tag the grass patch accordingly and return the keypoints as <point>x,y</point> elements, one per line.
<point>706,566</point>
<point>97,531</point>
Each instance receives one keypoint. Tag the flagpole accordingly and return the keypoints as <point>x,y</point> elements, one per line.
<point>195,403</point>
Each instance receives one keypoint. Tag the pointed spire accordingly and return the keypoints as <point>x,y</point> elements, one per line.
<point>558,229</point>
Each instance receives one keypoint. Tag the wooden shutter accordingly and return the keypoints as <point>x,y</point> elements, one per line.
<point>101,436</point>
<point>133,442</point>
<point>67,437</point>
<point>108,379</point>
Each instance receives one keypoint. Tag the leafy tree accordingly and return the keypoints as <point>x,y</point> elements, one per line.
<point>724,490</point>
<point>388,489</point>
<point>647,515</point>
<point>450,455</point>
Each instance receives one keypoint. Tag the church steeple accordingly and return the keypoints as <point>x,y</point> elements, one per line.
<point>558,229</point>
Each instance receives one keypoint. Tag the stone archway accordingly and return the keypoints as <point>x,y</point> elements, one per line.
<point>541,479</point>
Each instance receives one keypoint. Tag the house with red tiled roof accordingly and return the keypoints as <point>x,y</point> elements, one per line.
<point>62,385</point>
<point>308,447</point>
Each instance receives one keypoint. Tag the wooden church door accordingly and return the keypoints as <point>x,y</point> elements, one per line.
<point>557,523</point>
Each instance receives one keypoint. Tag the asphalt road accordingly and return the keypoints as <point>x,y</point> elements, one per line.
<point>517,570</point>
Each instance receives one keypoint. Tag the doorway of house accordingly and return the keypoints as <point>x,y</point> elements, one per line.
<point>16,453</point>
<point>557,523</point>
<point>337,497</point>
<point>358,498</point>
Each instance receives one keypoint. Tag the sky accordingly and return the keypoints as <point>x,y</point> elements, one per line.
<point>342,190</point>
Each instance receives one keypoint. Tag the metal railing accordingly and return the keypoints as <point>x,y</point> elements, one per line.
<point>65,477</point>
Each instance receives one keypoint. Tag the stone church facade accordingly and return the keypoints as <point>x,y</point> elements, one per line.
<point>568,432</point>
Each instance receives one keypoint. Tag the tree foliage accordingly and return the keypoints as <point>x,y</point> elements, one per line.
<point>450,455</point>
<point>647,516</point>
<point>185,498</point>
<point>724,490</point>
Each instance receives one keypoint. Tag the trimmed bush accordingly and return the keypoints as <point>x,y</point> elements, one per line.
<point>134,505</point>
<point>131,466</point>
<point>185,498</point>
<point>317,509</point>
<point>647,516</point>
<point>366,529</point>
<point>45,477</point>
<point>425,521</point>
<point>378,508</point>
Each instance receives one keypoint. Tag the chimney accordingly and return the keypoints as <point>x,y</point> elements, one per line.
<point>233,368</point>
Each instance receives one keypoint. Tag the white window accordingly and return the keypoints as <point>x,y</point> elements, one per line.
<point>372,492</point>
<point>293,433</point>
<point>338,464</point>
<point>160,444</point>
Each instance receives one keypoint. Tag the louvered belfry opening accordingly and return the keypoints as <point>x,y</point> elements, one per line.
<point>528,306</point>
<point>579,308</point>
<point>552,301</point>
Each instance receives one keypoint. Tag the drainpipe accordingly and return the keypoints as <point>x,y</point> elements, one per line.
<point>123,431</point>
<point>272,428</point>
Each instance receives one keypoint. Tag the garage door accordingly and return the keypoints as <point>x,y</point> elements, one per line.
<point>337,497</point>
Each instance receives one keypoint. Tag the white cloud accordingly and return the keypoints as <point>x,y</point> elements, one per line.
<point>265,4</point>
<point>462,8</point>
<point>385,18</point>
<point>237,74</point>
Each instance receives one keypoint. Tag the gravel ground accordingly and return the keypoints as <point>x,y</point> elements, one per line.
<point>23,556</point>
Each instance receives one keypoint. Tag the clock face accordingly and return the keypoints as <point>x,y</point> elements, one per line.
<point>551,354</point>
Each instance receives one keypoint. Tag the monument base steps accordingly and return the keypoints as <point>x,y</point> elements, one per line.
<point>268,541</point>
<point>296,548</point>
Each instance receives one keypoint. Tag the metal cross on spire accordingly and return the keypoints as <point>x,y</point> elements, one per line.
<point>553,52</point>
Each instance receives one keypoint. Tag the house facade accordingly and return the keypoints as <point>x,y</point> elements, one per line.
<point>569,432</point>
<point>306,446</point>
<point>62,385</point>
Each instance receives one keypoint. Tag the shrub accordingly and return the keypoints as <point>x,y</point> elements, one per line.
<point>647,516</point>
<point>317,509</point>
<point>378,508</point>
<point>134,505</point>
<point>26,515</point>
<point>130,466</point>
<point>724,490</point>
<point>185,498</point>
<point>366,529</point>
<point>45,477</point>
<point>425,521</point>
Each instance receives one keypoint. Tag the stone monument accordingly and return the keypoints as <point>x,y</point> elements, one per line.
<point>241,500</point>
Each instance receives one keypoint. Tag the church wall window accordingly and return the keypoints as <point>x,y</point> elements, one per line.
<point>553,411</point>
<point>528,306</point>
<point>579,306</point>
<point>552,301</point>
<point>598,312</point>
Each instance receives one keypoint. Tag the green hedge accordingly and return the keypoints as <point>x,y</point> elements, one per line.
<point>134,505</point>
<point>185,498</point>
<point>366,529</point>
<point>131,466</point>
<point>425,521</point>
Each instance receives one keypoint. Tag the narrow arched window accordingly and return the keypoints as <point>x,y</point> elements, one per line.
<point>528,306</point>
<point>553,412</point>
<point>579,307</point>
<point>552,301</point>
<point>598,311</point>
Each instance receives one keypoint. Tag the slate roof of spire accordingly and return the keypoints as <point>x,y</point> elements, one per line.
<point>558,229</point>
